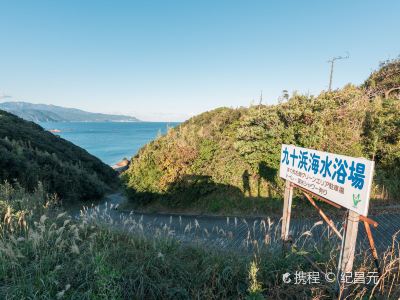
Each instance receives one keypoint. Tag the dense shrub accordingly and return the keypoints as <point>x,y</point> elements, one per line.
<point>240,148</point>
<point>30,154</point>
<point>385,82</point>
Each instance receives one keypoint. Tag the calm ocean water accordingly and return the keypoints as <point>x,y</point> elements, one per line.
<point>110,141</point>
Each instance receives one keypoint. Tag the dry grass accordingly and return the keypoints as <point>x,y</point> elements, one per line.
<point>47,254</point>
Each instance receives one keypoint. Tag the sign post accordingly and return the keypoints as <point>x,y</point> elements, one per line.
<point>342,181</point>
<point>349,242</point>
<point>287,206</point>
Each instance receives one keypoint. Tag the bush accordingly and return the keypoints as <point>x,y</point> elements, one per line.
<point>29,154</point>
<point>240,148</point>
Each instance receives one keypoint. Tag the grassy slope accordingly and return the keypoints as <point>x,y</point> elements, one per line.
<point>45,254</point>
<point>226,160</point>
<point>30,154</point>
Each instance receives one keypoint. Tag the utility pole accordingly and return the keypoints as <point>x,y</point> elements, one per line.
<point>259,105</point>
<point>332,62</point>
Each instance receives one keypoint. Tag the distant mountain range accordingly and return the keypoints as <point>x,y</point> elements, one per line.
<point>52,113</point>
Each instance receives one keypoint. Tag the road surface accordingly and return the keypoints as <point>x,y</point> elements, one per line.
<point>231,232</point>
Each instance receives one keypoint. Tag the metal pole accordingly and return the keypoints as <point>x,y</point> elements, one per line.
<point>372,246</point>
<point>323,215</point>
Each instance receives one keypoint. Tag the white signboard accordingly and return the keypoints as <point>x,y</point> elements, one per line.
<point>341,179</point>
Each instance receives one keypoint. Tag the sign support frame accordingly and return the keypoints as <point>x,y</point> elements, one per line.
<point>350,233</point>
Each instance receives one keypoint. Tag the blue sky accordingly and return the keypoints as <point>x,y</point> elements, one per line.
<point>168,60</point>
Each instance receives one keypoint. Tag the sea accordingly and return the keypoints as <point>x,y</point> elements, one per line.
<point>110,141</point>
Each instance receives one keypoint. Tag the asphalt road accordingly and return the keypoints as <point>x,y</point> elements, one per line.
<point>233,233</point>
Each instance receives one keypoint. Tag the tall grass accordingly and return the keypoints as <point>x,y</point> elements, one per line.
<point>47,254</point>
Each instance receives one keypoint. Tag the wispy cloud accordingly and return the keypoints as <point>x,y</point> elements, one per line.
<point>4,96</point>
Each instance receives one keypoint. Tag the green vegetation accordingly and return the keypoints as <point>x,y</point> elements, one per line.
<point>45,254</point>
<point>30,154</point>
<point>385,82</point>
<point>226,160</point>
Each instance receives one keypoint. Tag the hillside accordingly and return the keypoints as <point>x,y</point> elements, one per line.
<point>224,158</point>
<point>30,154</point>
<point>52,113</point>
